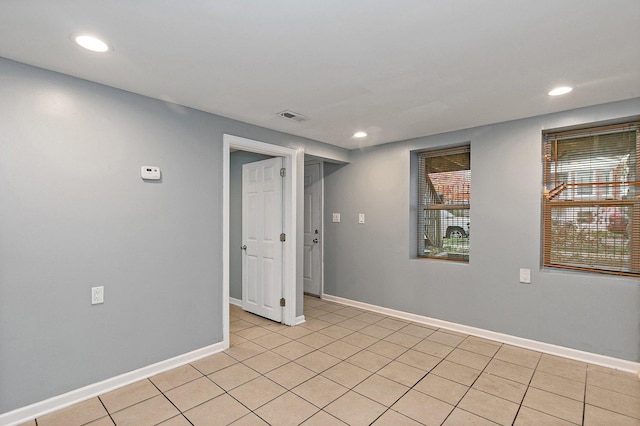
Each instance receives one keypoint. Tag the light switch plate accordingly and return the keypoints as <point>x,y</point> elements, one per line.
<point>525,276</point>
<point>336,218</point>
<point>360,217</point>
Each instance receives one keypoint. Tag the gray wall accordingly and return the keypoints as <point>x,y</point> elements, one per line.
<point>74,213</point>
<point>236,160</point>
<point>375,262</point>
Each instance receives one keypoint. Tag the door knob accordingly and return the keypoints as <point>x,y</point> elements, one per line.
<point>315,241</point>
<point>244,247</point>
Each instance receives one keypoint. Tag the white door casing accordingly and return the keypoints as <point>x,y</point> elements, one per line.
<point>312,230</point>
<point>290,158</point>
<point>261,229</point>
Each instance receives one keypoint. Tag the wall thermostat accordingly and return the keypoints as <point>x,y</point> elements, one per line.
<point>150,172</point>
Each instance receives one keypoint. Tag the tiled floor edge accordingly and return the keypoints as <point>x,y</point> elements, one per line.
<point>575,354</point>
<point>59,402</point>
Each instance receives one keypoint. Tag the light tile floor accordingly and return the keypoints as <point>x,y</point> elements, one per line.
<point>349,366</point>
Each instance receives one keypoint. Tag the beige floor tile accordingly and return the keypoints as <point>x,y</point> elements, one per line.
<point>470,359</point>
<point>596,416</point>
<point>433,348</point>
<point>28,423</point>
<point>417,330</point>
<point>567,368</point>
<point>235,326</point>
<point>346,374</point>
<point>403,339</point>
<point>368,360</point>
<point>76,414</point>
<point>266,362</point>
<point>340,349</point>
<point>103,421</point>
<point>322,418</point>
<point>498,386</point>
<point>129,395</point>
<point>290,375</point>
<point>317,361</point>
<point>272,340</point>
<point>294,332</point>
<point>401,373</point>
<point>257,392</point>
<point>419,360</point>
<point>213,363</point>
<point>354,324</point>
<point>231,377</point>
<point>360,340</point>
<point>293,350</point>
<point>480,346</point>
<point>514,355</point>
<point>423,408</point>
<point>193,393</point>
<point>320,391</point>
<point>529,417</point>
<point>176,421</point>
<point>558,385</point>
<point>333,318</point>
<point>355,409</point>
<point>221,410</point>
<point>456,372</point>
<point>376,331</point>
<point>446,338</point>
<point>349,312</point>
<point>509,371</point>
<point>489,407</point>
<point>613,401</point>
<point>387,349</point>
<point>149,412</point>
<point>253,333</point>
<point>288,409</point>
<point>250,420</point>
<point>442,389</point>
<point>316,340</point>
<point>336,331</point>
<point>459,417</point>
<point>613,380</point>
<point>381,389</point>
<point>175,377</point>
<point>393,418</point>
<point>392,324</point>
<point>235,340</point>
<point>274,326</point>
<point>315,324</point>
<point>331,307</point>
<point>245,350</point>
<point>558,406</point>
<point>369,318</point>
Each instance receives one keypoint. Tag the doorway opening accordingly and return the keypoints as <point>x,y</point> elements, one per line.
<point>289,159</point>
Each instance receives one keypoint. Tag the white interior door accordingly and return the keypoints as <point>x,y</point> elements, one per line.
<point>261,228</point>
<point>312,230</point>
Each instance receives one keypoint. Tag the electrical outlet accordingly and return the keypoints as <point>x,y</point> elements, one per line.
<point>97,295</point>
<point>336,218</point>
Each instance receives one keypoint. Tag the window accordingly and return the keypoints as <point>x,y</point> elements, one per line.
<point>444,182</point>
<point>591,203</point>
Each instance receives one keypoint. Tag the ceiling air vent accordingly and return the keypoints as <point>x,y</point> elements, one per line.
<point>290,115</point>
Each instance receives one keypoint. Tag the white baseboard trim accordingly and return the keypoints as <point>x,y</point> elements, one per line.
<point>30,412</point>
<point>235,301</point>
<point>300,320</point>
<point>588,357</point>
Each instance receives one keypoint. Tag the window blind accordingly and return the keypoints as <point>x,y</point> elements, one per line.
<point>591,203</point>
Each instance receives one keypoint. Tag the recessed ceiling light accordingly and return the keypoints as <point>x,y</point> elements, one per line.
<point>560,91</point>
<point>359,135</point>
<point>91,43</point>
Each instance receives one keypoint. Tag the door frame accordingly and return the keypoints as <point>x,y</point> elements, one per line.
<point>289,156</point>
<point>320,163</point>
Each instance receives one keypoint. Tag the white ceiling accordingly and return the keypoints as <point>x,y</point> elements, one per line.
<point>397,69</point>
